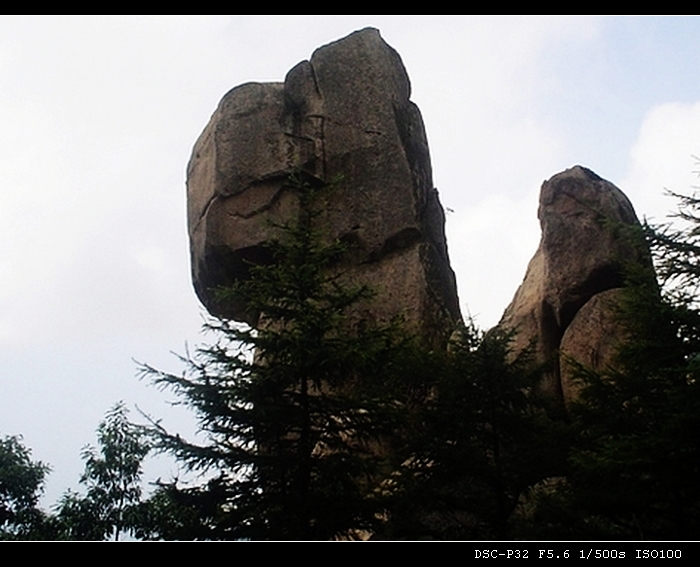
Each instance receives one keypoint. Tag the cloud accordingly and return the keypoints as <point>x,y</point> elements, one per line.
<point>662,157</point>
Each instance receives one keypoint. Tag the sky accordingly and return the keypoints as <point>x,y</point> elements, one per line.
<point>98,116</point>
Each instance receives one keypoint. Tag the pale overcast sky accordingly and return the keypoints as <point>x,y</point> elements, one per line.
<point>98,117</point>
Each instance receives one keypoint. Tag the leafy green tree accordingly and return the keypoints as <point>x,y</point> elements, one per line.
<point>298,413</point>
<point>112,503</point>
<point>21,485</point>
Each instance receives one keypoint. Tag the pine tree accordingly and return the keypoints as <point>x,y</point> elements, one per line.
<point>298,412</point>
<point>484,440</point>
<point>635,468</point>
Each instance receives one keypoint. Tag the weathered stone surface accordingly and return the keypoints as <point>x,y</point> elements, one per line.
<point>592,339</point>
<point>587,242</point>
<point>346,115</point>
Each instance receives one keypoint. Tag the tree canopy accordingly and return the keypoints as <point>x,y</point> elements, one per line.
<point>112,502</point>
<point>21,485</point>
<point>298,412</point>
<point>634,453</point>
<point>320,425</point>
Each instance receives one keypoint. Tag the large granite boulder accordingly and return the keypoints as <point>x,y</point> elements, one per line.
<point>343,117</point>
<point>565,308</point>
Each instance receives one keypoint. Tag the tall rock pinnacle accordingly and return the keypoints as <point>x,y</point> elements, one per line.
<point>343,115</point>
<point>565,307</point>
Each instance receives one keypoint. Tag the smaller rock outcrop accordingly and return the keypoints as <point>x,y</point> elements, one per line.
<point>565,308</point>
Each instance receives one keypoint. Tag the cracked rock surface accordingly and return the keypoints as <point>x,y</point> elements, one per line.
<point>344,117</point>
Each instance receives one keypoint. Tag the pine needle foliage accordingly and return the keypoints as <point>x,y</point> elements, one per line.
<point>296,412</point>
<point>485,439</point>
<point>635,466</point>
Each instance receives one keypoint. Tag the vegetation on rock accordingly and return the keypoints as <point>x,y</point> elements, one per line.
<point>321,426</point>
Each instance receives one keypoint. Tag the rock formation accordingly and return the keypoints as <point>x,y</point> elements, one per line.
<point>565,307</point>
<point>343,115</point>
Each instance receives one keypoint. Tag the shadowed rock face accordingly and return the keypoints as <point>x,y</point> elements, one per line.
<point>344,115</point>
<point>565,305</point>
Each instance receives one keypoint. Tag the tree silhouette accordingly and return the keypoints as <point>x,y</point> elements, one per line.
<point>297,413</point>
